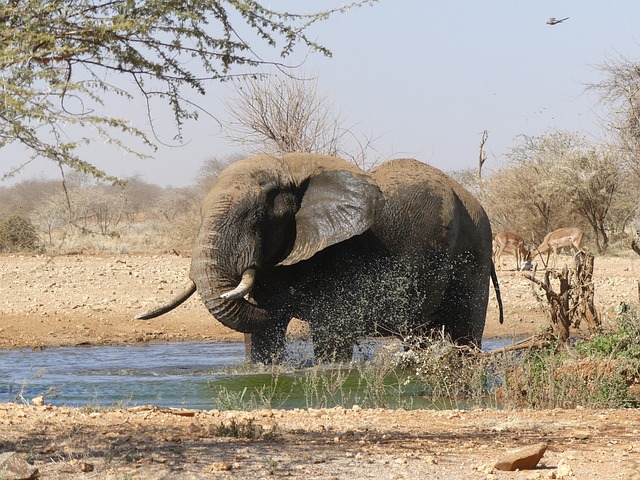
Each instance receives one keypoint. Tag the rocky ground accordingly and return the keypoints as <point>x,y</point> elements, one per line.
<point>69,300</point>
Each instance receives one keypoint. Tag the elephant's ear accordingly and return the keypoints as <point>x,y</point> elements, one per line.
<point>336,206</point>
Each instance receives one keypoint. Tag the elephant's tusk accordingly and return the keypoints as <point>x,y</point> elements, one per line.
<point>173,303</point>
<point>243,288</point>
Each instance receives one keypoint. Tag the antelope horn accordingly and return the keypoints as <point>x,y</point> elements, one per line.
<point>243,288</point>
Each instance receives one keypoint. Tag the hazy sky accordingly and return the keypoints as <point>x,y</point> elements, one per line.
<point>427,77</point>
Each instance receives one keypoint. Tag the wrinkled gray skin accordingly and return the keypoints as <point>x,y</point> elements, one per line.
<point>400,250</point>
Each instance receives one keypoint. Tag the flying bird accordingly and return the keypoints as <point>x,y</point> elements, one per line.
<point>554,21</point>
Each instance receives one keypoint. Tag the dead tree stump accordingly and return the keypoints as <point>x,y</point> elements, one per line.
<point>635,246</point>
<point>573,303</point>
<point>583,293</point>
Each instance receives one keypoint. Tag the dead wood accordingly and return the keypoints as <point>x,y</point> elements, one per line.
<point>534,341</point>
<point>483,155</point>
<point>635,246</point>
<point>573,302</point>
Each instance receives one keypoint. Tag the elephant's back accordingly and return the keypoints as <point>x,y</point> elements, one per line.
<point>396,176</point>
<point>422,202</point>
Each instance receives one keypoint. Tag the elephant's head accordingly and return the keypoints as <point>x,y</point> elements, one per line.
<point>265,211</point>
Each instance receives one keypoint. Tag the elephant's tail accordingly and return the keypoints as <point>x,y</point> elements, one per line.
<point>496,286</point>
<point>170,305</point>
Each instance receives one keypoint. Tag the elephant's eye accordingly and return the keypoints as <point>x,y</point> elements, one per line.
<point>267,184</point>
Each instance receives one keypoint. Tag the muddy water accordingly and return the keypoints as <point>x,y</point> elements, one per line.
<point>171,374</point>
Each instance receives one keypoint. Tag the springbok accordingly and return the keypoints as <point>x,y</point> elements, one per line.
<point>568,237</point>
<point>507,242</point>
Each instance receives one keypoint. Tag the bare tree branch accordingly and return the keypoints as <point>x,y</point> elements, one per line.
<point>275,114</point>
<point>483,155</point>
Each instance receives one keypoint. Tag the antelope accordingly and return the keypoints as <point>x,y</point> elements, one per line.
<point>507,242</point>
<point>568,237</point>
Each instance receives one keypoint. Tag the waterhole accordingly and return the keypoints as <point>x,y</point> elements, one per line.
<point>191,375</point>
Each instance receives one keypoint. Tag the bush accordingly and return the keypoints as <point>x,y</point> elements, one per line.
<point>599,372</point>
<point>623,342</point>
<point>452,377</point>
<point>547,379</point>
<point>17,234</point>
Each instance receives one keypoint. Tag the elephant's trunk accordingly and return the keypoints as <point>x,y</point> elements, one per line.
<point>222,287</point>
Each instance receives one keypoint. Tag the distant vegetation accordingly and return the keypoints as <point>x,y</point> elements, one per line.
<point>551,181</point>
<point>559,180</point>
<point>91,216</point>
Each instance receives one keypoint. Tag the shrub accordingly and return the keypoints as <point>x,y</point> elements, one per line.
<point>547,379</point>
<point>452,377</point>
<point>17,233</point>
<point>599,372</point>
<point>624,341</point>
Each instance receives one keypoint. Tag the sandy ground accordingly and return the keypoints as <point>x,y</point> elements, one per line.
<point>70,300</point>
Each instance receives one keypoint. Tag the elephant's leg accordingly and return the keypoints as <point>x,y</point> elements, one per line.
<point>464,306</point>
<point>331,344</point>
<point>268,346</point>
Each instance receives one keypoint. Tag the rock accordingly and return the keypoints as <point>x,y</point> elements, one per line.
<point>86,467</point>
<point>580,434</point>
<point>486,469</point>
<point>221,467</point>
<point>39,401</point>
<point>81,466</point>
<point>14,467</point>
<point>563,470</point>
<point>522,459</point>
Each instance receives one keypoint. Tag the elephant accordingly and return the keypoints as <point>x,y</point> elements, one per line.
<point>400,250</point>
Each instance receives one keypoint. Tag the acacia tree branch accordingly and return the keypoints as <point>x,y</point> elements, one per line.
<point>168,50</point>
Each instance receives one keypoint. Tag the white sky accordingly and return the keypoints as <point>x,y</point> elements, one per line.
<point>426,78</point>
